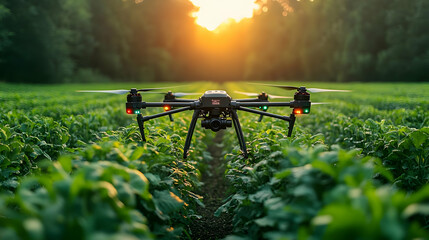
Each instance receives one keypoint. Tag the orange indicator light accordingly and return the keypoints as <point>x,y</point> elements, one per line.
<point>167,108</point>
<point>298,111</point>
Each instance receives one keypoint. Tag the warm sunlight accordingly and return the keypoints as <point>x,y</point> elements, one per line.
<point>213,13</point>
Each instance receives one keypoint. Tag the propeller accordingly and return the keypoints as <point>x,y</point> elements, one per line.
<point>176,94</point>
<point>182,94</point>
<point>106,91</point>
<point>312,90</point>
<point>316,90</point>
<point>123,91</point>
<point>257,94</point>
<point>319,103</point>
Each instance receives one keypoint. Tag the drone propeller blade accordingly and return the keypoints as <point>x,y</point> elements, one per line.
<point>278,86</point>
<point>106,91</point>
<point>257,94</point>
<point>182,94</point>
<point>178,95</point>
<point>317,90</point>
<point>277,97</point>
<point>319,103</point>
<point>151,89</point>
<point>248,93</point>
<point>123,91</point>
<point>312,90</point>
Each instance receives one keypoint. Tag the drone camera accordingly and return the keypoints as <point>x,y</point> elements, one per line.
<point>216,124</point>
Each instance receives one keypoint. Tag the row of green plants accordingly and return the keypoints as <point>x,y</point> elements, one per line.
<point>70,171</point>
<point>303,188</point>
<point>354,169</point>
<point>116,187</point>
<point>404,150</point>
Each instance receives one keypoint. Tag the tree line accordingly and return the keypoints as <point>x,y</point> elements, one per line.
<point>50,41</point>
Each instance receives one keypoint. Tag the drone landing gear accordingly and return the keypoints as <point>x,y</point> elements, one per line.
<point>141,126</point>
<point>239,132</point>
<point>291,124</point>
<point>190,132</point>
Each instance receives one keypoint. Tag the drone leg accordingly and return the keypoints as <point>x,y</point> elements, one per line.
<point>171,118</point>
<point>141,126</point>
<point>260,118</point>
<point>190,132</point>
<point>239,132</point>
<point>291,123</point>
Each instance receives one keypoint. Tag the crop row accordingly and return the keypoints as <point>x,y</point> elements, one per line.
<point>68,169</point>
<point>303,188</point>
<point>66,173</point>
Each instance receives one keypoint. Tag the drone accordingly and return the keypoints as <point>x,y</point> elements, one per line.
<point>217,110</point>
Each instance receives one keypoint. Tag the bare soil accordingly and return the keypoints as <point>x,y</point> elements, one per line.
<point>214,191</point>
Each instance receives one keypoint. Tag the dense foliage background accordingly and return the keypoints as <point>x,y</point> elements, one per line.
<point>48,41</point>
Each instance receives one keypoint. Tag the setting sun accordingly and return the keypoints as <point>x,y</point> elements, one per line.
<point>212,13</point>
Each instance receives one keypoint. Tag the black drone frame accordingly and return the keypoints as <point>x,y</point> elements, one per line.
<point>217,107</point>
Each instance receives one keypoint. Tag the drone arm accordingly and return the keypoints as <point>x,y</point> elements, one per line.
<point>170,104</point>
<point>239,132</point>
<point>261,104</point>
<point>146,118</point>
<point>265,113</point>
<point>180,100</point>
<point>190,132</point>
<point>247,100</point>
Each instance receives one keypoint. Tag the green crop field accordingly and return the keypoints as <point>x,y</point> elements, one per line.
<point>73,166</point>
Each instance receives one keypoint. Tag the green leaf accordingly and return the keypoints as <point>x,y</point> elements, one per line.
<point>66,163</point>
<point>138,152</point>
<point>265,222</point>
<point>414,209</point>
<point>139,184</point>
<point>4,148</point>
<point>418,138</point>
<point>167,202</point>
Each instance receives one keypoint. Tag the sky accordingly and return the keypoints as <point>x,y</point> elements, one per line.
<point>212,13</point>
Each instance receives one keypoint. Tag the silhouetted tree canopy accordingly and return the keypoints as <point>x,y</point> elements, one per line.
<point>49,41</point>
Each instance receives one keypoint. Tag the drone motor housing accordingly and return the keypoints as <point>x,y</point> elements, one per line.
<point>301,103</point>
<point>134,98</point>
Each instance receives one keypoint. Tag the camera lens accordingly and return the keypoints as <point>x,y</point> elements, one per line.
<point>215,125</point>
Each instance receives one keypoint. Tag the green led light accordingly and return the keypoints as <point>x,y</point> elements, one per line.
<point>137,112</point>
<point>306,110</point>
<point>264,107</point>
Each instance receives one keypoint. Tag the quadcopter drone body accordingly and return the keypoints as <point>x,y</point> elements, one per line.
<point>217,109</point>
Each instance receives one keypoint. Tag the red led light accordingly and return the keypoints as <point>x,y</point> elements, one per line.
<point>167,108</point>
<point>298,111</point>
<point>129,111</point>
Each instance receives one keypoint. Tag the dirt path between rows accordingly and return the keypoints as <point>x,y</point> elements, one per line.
<point>214,191</point>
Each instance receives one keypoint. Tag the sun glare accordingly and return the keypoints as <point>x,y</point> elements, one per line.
<point>212,13</point>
